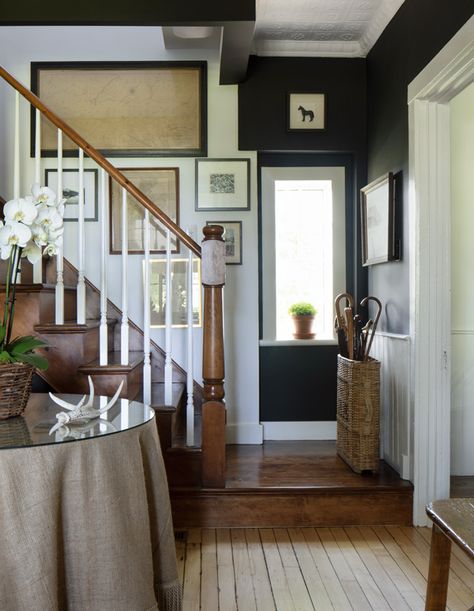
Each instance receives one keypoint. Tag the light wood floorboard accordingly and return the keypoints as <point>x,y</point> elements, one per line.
<point>313,569</point>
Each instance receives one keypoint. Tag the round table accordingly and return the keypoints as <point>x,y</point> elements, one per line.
<point>85,512</point>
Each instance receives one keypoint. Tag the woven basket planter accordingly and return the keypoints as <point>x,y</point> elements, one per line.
<point>15,388</point>
<point>358,413</point>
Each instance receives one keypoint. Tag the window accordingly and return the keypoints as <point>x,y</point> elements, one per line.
<point>303,239</point>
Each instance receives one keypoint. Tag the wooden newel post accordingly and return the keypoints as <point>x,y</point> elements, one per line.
<point>213,409</point>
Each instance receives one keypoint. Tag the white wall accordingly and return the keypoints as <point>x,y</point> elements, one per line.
<point>462,228</point>
<point>21,45</point>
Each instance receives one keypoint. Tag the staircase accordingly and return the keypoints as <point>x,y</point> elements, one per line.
<point>87,334</point>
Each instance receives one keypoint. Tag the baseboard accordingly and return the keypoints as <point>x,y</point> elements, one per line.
<point>245,432</point>
<point>296,431</point>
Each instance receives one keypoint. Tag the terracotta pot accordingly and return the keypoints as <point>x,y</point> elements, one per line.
<point>303,327</point>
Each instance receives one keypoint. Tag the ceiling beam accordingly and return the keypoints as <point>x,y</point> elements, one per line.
<point>124,12</point>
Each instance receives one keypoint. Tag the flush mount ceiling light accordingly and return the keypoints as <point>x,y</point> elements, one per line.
<point>193,31</point>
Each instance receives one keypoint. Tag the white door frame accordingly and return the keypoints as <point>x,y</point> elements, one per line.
<point>430,262</point>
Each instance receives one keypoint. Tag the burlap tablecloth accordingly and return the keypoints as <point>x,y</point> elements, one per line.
<point>87,526</point>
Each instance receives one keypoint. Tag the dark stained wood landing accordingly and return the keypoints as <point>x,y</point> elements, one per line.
<point>301,464</point>
<point>293,484</point>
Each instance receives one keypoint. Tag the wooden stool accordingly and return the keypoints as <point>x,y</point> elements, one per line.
<point>453,521</point>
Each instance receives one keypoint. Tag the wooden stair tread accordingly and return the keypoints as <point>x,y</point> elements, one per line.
<point>114,366</point>
<point>71,326</point>
<point>36,288</point>
<point>158,395</point>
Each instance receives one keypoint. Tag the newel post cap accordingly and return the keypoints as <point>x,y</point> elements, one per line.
<point>213,256</point>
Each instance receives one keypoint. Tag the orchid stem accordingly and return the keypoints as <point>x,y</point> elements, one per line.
<point>16,270</point>
<point>7,295</point>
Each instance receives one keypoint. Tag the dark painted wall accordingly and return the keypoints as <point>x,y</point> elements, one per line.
<point>263,104</point>
<point>415,35</point>
<point>297,383</point>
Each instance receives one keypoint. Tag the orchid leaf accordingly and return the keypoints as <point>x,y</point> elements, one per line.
<point>3,332</point>
<point>32,359</point>
<point>23,345</point>
<point>5,357</point>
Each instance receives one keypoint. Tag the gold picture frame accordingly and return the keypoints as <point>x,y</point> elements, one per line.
<point>124,109</point>
<point>179,280</point>
<point>161,185</point>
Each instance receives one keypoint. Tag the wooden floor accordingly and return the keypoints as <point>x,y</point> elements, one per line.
<point>298,569</point>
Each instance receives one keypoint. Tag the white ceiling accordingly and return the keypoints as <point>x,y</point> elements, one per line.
<point>334,28</point>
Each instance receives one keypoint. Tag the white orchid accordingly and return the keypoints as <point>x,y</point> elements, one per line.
<point>50,219</point>
<point>43,195</point>
<point>31,223</point>
<point>32,252</point>
<point>13,234</point>
<point>20,210</point>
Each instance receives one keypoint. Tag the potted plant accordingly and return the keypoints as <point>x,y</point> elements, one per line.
<point>30,225</point>
<point>303,314</point>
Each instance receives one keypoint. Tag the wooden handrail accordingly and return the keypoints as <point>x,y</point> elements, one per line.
<point>94,154</point>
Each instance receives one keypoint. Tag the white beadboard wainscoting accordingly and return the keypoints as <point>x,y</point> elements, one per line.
<point>462,400</point>
<point>394,353</point>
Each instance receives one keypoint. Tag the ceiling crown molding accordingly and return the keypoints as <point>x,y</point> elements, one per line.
<point>381,18</point>
<point>308,48</point>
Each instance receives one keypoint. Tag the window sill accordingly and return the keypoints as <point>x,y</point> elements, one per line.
<point>297,342</point>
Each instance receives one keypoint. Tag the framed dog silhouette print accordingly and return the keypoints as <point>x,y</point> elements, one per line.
<point>306,111</point>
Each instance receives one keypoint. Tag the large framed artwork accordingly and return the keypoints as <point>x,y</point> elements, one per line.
<point>125,109</point>
<point>179,288</point>
<point>70,180</point>
<point>222,184</point>
<point>161,185</point>
<point>378,221</point>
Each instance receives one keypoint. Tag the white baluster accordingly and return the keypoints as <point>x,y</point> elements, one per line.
<point>37,146</point>
<point>124,332</point>
<point>168,324</point>
<point>103,333</point>
<point>16,149</point>
<point>81,285</point>
<point>146,312</point>
<point>189,375</point>
<point>59,294</point>
<point>124,413</point>
<point>38,266</point>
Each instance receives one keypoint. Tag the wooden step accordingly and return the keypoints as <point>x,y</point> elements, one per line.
<point>292,484</point>
<point>108,377</point>
<point>70,346</point>
<point>168,417</point>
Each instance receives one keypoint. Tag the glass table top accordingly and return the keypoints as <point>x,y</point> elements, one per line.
<point>34,426</point>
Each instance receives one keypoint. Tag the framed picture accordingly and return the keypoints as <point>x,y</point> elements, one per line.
<point>161,185</point>
<point>179,284</point>
<point>222,184</point>
<point>306,111</point>
<point>233,240</point>
<point>127,109</point>
<point>71,193</point>
<point>378,213</point>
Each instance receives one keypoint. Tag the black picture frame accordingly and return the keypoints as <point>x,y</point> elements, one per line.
<point>91,191</point>
<point>63,77</point>
<point>232,193</point>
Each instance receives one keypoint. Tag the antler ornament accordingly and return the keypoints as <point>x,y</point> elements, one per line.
<point>82,411</point>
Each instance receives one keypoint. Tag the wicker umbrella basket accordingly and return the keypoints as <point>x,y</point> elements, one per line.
<point>358,413</point>
<point>15,388</point>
